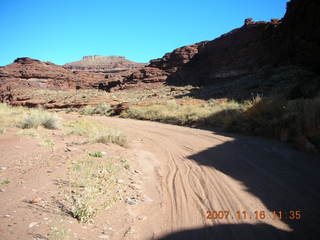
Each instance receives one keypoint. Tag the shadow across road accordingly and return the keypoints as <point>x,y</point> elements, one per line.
<point>231,231</point>
<point>281,177</point>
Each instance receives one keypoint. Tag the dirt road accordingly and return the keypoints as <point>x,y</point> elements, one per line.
<point>195,184</point>
<point>241,180</point>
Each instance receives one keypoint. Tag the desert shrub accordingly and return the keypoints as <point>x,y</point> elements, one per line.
<point>50,121</point>
<point>27,118</point>
<point>258,116</point>
<point>2,130</point>
<point>32,120</point>
<point>91,187</point>
<point>200,114</point>
<point>83,210</point>
<point>302,116</point>
<point>98,133</point>
<point>263,115</point>
<point>81,127</point>
<point>105,136</point>
<point>36,118</point>
<point>102,109</point>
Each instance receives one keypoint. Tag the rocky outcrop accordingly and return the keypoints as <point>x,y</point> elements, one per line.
<point>294,40</point>
<point>254,48</point>
<point>31,73</point>
<point>34,73</point>
<point>105,64</point>
<point>171,62</point>
<point>159,69</point>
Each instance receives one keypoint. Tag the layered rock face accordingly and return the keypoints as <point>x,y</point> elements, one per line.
<point>31,73</point>
<point>295,40</point>
<point>159,69</point>
<point>255,48</point>
<point>104,64</point>
<point>171,62</point>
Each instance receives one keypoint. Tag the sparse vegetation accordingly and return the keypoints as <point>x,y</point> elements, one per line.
<point>36,118</point>
<point>59,233</point>
<point>5,182</point>
<point>97,133</point>
<point>28,132</point>
<point>96,154</point>
<point>260,116</point>
<point>92,186</point>
<point>65,97</point>
<point>47,143</point>
<point>127,166</point>
<point>101,109</point>
<point>171,112</point>
<point>9,114</point>
<point>2,130</point>
<point>106,136</point>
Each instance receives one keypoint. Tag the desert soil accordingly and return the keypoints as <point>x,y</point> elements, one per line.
<point>176,175</point>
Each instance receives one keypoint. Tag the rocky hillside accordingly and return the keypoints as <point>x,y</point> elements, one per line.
<point>104,64</point>
<point>31,73</point>
<point>159,69</point>
<point>294,40</point>
<point>252,59</point>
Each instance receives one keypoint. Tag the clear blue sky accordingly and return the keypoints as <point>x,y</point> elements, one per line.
<point>61,31</point>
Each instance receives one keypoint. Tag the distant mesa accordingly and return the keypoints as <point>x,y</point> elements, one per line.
<point>106,64</point>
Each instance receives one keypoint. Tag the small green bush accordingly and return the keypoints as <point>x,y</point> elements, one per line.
<point>92,187</point>
<point>96,154</point>
<point>83,211</point>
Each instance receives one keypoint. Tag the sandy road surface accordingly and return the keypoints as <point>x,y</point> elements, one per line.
<point>183,174</point>
<point>195,171</point>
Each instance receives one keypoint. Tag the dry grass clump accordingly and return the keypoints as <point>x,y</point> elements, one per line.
<point>27,118</point>
<point>106,136</point>
<point>35,118</point>
<point>171,112</point>
<point>289,120</point>
<point>2,130</point>
<point>8,114</point>
<point>97,133</point>
<point>101,109</point>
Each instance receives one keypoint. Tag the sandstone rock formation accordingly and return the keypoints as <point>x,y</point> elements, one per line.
<point>31,73</point>
<point>258,48</point>
<point>159,69</point>
<point>34,73</point>
<point>295,40</point>
<point>249,50</point>
<point>104,64</point>
<point>171,62</point>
